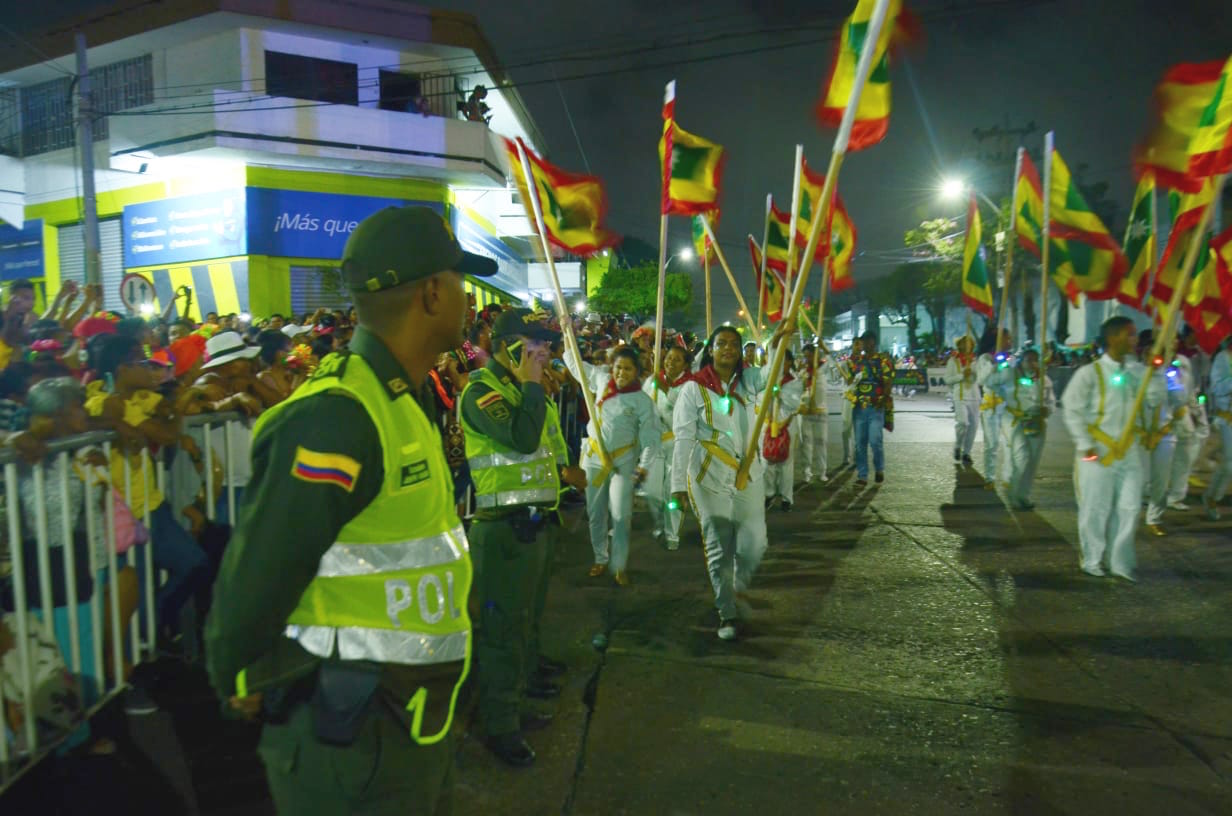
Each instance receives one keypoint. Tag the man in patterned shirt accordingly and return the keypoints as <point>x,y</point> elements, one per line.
<point>872,379</point>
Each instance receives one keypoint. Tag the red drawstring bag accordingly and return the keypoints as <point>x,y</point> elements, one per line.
<point>776,449</point>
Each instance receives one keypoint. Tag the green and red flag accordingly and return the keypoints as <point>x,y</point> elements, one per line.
<point>842,247</point>
<point>873,112</point>
<point>1085,258</point>
<point>701,242</point>
<point>1029,206</point>
<point>778,238</point>
<point>1207,308</point>
<point>574,206</point>
<point>976,290</point>
<point>692,167</point>
<point>1139,246</point>
<point>771,293</point>
<point>1186,211</point>
<point>1192,137</point>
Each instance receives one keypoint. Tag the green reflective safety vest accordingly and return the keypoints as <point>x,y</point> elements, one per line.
<point>393,588</point>
<point>502,476</point>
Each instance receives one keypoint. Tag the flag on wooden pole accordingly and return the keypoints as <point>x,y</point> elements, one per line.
<point>1086,259</point>
<point>1139,246</point>
<point>701,243</point>
<point>872,118</point>
<point>1208,307</point>
<point>692,167</point>
<point>1186,212</point>
<point>842,247</point>
<point>976,290</point>
<point>771,288</point>
<point>778,238</point>
<point>574,206</point>
<point>1192,137</point>
<point>1028,206</point>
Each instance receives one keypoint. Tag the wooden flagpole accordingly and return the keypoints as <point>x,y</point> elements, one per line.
<point>1003,317</point>
<point>863,69</point>
<point>1045,241</point>
<point>658,344</point>
<point>718,253</point>
<point>761,288</point>
<point>821,311</point>
<point>706,268</point>
<point>1165,339</point>
<point>1154,270</point>
<point>562,314</point>
<point>793,218</point>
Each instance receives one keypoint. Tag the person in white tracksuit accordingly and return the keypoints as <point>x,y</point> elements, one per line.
<point>1188,427</point>
<point>663,389</point>
<point>784,418</point>
<point>960,377</point>
<point>1219,396</point>
<point>713,421</point>
<point>1108,476</point>
<point>1017,385</point>
<point>626,418</point>
<point>990,358</point>
<point>814,417</point>
<point>1159,439</point>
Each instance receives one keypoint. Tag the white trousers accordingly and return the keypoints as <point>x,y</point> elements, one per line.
<point>1183,459</point>
<point>1024,457</point>
<point>966,423</point>
<point>1160,474</point>
<point>1109,498</point>
<point>814,436</point>
<point>611,502</point>
<point>658,487</point>
<point>781,476</point>
<point>849,432</point>
<point>1222,477</point>
<point>734,534</point>
<point>993,421</point>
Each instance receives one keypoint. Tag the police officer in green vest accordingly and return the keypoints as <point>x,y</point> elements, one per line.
<point>340,613</point>
<point>513,462</point>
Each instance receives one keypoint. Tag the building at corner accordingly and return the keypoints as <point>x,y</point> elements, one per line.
<point>238,143</point>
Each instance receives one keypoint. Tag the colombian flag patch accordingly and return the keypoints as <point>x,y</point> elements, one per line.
<point>325,468</point>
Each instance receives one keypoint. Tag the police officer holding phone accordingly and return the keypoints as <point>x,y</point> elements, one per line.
<point>340,611</point>
<point>512,452</point>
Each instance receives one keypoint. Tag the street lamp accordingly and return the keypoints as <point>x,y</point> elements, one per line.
<point>580,306</point>
<point>954,188</point>
<point>686,254</point>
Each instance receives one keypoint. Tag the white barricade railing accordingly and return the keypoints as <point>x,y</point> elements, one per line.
<point>60,506</point>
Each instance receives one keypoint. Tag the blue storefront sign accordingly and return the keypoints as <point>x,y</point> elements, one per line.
<point>184,229</point>
<point>21,250</point>
<point>511,274</point>
<point>294,224</point>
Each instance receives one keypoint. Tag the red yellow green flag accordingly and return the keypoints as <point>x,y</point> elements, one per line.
<point>873,112</point>
<point>692,167</point>
<point>1207,307</point>
<point>976,290</point>
<point>701,242</point>
<point>842,247</point>
<point>1085,258</point>
<point>771,293</point>
<point>778,238</point>
<point>1192,137</point>
<point>1029,206</point>
<point>574,205</point>
<point>1186,211</point>
<point>1139,246</point>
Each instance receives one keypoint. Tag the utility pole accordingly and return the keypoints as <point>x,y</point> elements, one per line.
<point>85,142</point>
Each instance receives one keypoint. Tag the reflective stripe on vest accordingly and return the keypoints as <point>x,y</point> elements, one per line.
<point>393,587</point>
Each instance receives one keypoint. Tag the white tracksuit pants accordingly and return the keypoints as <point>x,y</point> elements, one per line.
<point>1222,477</point>
<point>1160,474</point>
<point>734,535</point>
<point>849,432</point>
<point>1109,503</point>
<point>611,501</point>
<point>658,493</point>
<point>1183,458</point>
<point>814,437</point>
<point>966,423</point>
<point>1024,458</point>
<point>993,421</point>
<point>781,476</point>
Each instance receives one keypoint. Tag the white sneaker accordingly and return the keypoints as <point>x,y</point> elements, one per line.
<point>727,630</point>
<point>1178,505</point>
<point>808,476</point>
<point>825,477</point>
<point>673,543</point>
<point>1096,572</point>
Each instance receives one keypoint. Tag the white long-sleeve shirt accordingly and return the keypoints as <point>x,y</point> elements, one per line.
<point>624,420</point>
<point>962,385</point>
<point>1020,397</point>
<point>664,402</point>
<point>1101,395</point>
<point>1220,389</point>
<point>787,401</point>
<point>814,404</point>
<point>699,417</point>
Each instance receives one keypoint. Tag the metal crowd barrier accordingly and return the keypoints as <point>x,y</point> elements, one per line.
<point>81,637</point>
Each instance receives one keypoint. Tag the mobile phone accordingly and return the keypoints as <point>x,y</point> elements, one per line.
<point>515,353</point>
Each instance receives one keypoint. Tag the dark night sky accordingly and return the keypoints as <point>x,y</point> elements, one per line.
<point>1085,68</point>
